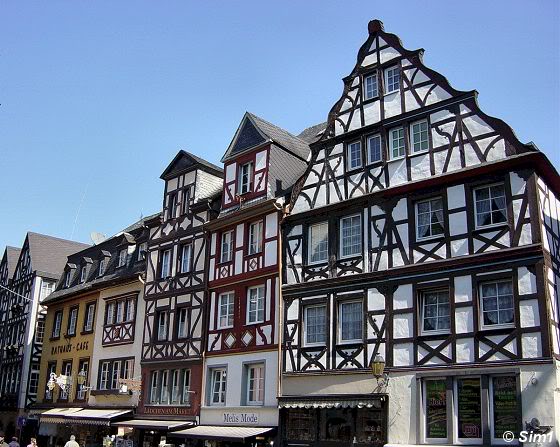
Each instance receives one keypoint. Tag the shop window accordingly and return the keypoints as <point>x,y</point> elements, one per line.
<point>469,418</point>
<point>301,425</point>
<point>336,425</point>
<point>504,407</point>
<point>435,405</point>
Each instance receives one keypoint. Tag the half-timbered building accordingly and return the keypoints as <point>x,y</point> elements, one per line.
<point>175,298</point>
<point>424,235</point>
<point>38,266</point>
<point>241,365</point>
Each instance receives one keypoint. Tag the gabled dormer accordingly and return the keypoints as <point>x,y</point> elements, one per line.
<point>188,180</point>
<point>261,161</point>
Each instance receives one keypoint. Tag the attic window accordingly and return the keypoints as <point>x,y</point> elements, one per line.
<point>245,178</point>
<point>83,272</point>
<point>101,267</point>
<point>122,257</point>
<point>142,249</point>
<point>67,278</point>
<point>370,86</point>
<point>392,79</point>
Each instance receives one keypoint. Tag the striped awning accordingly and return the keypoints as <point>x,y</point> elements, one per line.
<point>221,433</point>
<point>375,402</point>
<point>153,424</point>
<point>82,416</point>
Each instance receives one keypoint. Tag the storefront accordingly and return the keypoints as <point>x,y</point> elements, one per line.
<point>338,421</point>
<point>225,436</point>
<point>150,432</point>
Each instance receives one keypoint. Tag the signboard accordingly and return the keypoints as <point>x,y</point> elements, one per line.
<point>166,410</point>
<point>241,418</point>
<point>469,408</point>
<point>505,405</point>
<point>131,384</point>
<point>69,347</point>
<point>436,409</point>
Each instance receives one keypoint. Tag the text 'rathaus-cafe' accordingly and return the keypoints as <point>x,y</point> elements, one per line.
<point>390,276</point>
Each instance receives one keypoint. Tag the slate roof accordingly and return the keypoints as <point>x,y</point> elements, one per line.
<point>48,254</point>
<point>184,161</point>
<point>139,223</point>
<point>313,133</point>
<point>254,131</point>
<point>12,255</point>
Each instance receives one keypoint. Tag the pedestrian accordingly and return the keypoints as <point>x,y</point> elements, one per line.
<point>2,442</point>
<point>72,442</point>
<point>14,442</point>
<point>33,443</point>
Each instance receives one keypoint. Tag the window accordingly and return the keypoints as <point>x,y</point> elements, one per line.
<point>129,309</point>
<point>435,311</point>
<point>350,236</point>
<point>128,369</point>
<point>172,205</point>
<point>392,79</point>
<point>34,379</point>
<point>245,178</point>
<point>120,312</point>
<point>350,321</point>
<point>354,155</point>
<point>83,272</point>
<point>115,375</point>
<point>374,148</point>
<point>83,369</point>
<point>66,371</point>
<point>504,408</point>
<point>497,303</point>
<point>67,278</point>
<point>396,141</point>
<point>419,136</point>
<point>72,321</point>
<point>182,323</point>
<point>112,371</point>
<point>47,288</point>
<point>255,305</point>
<point>142,250</point>
<point>218,388</point>
<point>186,382</point>
<point>162,326</point>
<point>122,257</point>
<point>176,387</point>
<point>57,324</point>
<point>227,246</point>
<point>40,331</point>
<point>186,252</point>
<point>255,237</point>
<point>170,387</point>
<point>51,368</point>
<point>490,202</point>
<point>225,310</point>
<point>110,313</point>
<point>255,384</point>
<point>165,266</point>
<point>102,267</point>
<point>319,242</point>
<point>429,218</point>
<point>315,325</point>
<point>90,315</point>
<point>154,384</point>
<point>370,86</point>
<point>186,200</point>
<point>469,417</point>
<point>435,404</point>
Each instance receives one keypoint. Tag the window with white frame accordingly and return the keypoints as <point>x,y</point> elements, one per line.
<point>490,204</point>
<point>83,369</point>
<point>115,374</point>
<point>255,304</point>
<point>47,287</point>
<point>218,386</point>
<point>315,328</point>
<point>350,321</point>
<point>435,310</point>
<point>227,246</point>
<point>497,303</point>
<point>172,205</point>
<point>245,178</point>
<point>165,266</point>
<point>129,309</point>
<point>182,323</point>
<point>319,242</point>
<point>154,386</point>
<point>434,392</point>
<point>57,324</point>
<point>374,148</point>
<point>429,218</point>
<point>51,368</point>
<point>392,79</point>
<point>396,143</point>
<point>504,407</point>
<point>142,250</point>
<point>176,386</point>
<point>68,278</point>
<point>110,313</point>
<point>34,379</point>
<point>122,257</point>
<point>164,387</point>
<point>354,155</point>
<point>90,316</point>
<point>40,331</point>
<point>170,387</point>
<point>66,371</point>
<point>370,86</point>
<point>255,237</point>
<point>186,255</point>
<point>83,272</point>
<point>120,312</point>
<point>102,267</point>
<point>255,384</point>
<point>419,136</point>
<point>225,310</point>
<point>161,326</point>
<point>350,236</point>
<point>72,321</point>
<point>467,395</point>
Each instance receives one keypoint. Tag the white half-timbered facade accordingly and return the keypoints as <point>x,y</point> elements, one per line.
<point>425,233</point>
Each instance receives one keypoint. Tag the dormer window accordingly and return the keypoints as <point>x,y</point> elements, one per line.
<point>83,273</point>
<point>142,249</point>
<point>122,257</point>
<point>172,205</point>
<point>370,86</point>
<point>246,178</point>
<point>102,267</point>
<point>68,278</point>
<point>392,79</point>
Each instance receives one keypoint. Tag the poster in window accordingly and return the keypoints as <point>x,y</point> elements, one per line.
<point>436,409</point>
<point>505,405</point>
<point>469,408</point>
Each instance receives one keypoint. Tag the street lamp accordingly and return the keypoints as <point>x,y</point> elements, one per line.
<point>82,376</point>
<point>378,370</point>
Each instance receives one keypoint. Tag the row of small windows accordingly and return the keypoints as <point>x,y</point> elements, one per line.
<point>170,387</point>
<point>392,82</point>
<point>163,322</point>
<point>254,246</point>
<point>184,261</point>
<point>496,308</point>
<point>253,381</point>
<point>66,369</point>
<point>72,321</point>
<point>419,143</point>
<point>255,308</point>
<point>490,209</point>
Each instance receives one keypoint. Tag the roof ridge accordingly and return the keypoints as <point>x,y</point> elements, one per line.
<point>46,236</point>
<point>274,125</point>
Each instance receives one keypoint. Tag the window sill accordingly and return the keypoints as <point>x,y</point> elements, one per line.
<point>355,170</point>
<point>350,342</point>
<point>429,238</point>
<point>349,257</point>
<point>314,345</point>
<point>391,92</point>
<point>317,263</point>
<point>374,164</point>
<point>497,326</point>
<point>223,328</point>
<point>254,323</point>
<point>422,152</point>
<point>402,157</point>
<point>86,332</point>
<point>490,227</point>
<point>54,338</point>
<point>430,333</point>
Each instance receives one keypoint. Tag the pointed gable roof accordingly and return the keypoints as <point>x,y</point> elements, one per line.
<point>12,255</point>
<point>254,131</point>
<point>185,161</point>
<point>48,254</point>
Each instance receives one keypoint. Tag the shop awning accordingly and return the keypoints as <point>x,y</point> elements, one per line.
<point>375,402</point>
<point>221,433</point>
<point>152,424</point>
<point>82,416</point>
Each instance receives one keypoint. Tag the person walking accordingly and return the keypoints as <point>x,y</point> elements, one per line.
<point>72,442</point>
<point>14,442</point>
<point>33,443</point>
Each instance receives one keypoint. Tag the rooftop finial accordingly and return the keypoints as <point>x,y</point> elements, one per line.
<point>375,26</point>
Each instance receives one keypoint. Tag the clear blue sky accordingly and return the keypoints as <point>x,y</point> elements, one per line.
<point>98,96</point>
